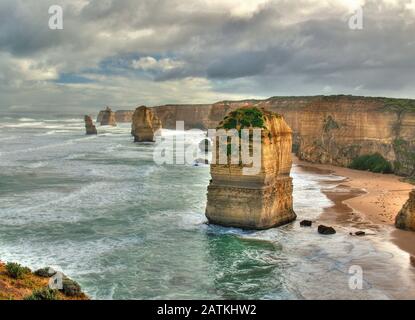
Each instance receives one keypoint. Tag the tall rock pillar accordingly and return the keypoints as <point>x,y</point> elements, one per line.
<point>89,125</point>
<point>262,200</point>
<point>108,117</point>
<point>145,124</point>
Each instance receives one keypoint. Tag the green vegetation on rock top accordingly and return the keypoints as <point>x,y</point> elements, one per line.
<point>243,118</point>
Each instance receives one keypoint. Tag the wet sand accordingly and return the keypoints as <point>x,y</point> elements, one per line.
<point>366,201</point>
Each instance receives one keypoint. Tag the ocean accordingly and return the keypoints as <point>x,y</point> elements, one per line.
<point>101,210</point>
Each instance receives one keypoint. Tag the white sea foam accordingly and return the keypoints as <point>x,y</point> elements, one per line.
<point>27,120</point>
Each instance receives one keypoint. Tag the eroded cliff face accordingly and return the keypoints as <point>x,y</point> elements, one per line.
<point>406,217</point>
<point>337,129</point>
<point>258,201</point>
<point>121,116</point>
<point>326,129</point>
<point>145,124</point>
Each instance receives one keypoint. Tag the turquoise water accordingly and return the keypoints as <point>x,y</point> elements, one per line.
<point>100,209</point>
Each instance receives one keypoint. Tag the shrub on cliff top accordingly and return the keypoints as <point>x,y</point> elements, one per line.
<point>16,271</point>
<point>71,288</point>
<point>43,294</point>
<point>374,163</point>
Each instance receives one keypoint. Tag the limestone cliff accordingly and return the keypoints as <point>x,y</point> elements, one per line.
<point>406,217</point>
<point>336,129</point>
<point>108,118</point>
<point>194,116</point>
<point>326,129</point>
<point>89,125</point>
<point>258,201</point>
<point>145,124</point>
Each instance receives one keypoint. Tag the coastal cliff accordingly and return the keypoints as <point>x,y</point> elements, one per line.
<point>260,200</point>
<point>335,129</point>
<point>144,125</point>
<point>121,116</point>
<point>326,129</point>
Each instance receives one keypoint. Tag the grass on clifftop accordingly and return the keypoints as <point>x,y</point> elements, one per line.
<point>399,105</point>
<point>374,163</point>
<point>19,283</point>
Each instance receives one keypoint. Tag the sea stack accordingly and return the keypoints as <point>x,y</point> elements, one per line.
<point>89,126</point>
<point>406,217</point>
<point>108,118</point>
<point>145,124</point>
<point>255,201</point>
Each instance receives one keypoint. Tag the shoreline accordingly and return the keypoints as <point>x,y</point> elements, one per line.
<point>368,201</point>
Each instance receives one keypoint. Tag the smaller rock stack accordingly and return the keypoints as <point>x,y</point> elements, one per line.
<point>89,126</point>
<point>406,217</point>
<point>145,124</point>
<point>108,118</point>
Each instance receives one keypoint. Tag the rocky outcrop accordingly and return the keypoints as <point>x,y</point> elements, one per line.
<point>89,125</point>
<point>121,116</point>
<point>306,223</point>
<point>406,217</point>
<point>108,118</point>
<point>262,200</point>
<point>145,124</point>
<point>326,230</point>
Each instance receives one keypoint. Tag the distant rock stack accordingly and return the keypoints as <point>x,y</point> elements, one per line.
<point>89,126</point>
<point>406,217</point>
<point>145,124</point>
<point>108,118</point>
<point>259,201</point>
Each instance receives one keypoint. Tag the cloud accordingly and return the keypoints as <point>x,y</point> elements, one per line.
<point>147,52</point>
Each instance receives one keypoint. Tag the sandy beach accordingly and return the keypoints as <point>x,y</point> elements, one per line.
<point>377,198</point>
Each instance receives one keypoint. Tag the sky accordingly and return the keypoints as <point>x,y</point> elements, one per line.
<point>153,52</point>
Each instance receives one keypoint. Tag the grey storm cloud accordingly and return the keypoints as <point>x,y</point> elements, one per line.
<point>201,51</point>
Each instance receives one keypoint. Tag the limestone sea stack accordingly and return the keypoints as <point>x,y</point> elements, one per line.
<point>406,217</point>
<point>108,118</point>
<point>145,125</point>
<point>263,200</point>
<point>89,126</point>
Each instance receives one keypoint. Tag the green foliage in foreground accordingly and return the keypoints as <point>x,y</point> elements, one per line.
<point>16,271</point>
<point>374,163</point>
<point>43,294</point>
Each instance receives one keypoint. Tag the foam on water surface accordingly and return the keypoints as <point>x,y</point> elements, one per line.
<point>126,228</point>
